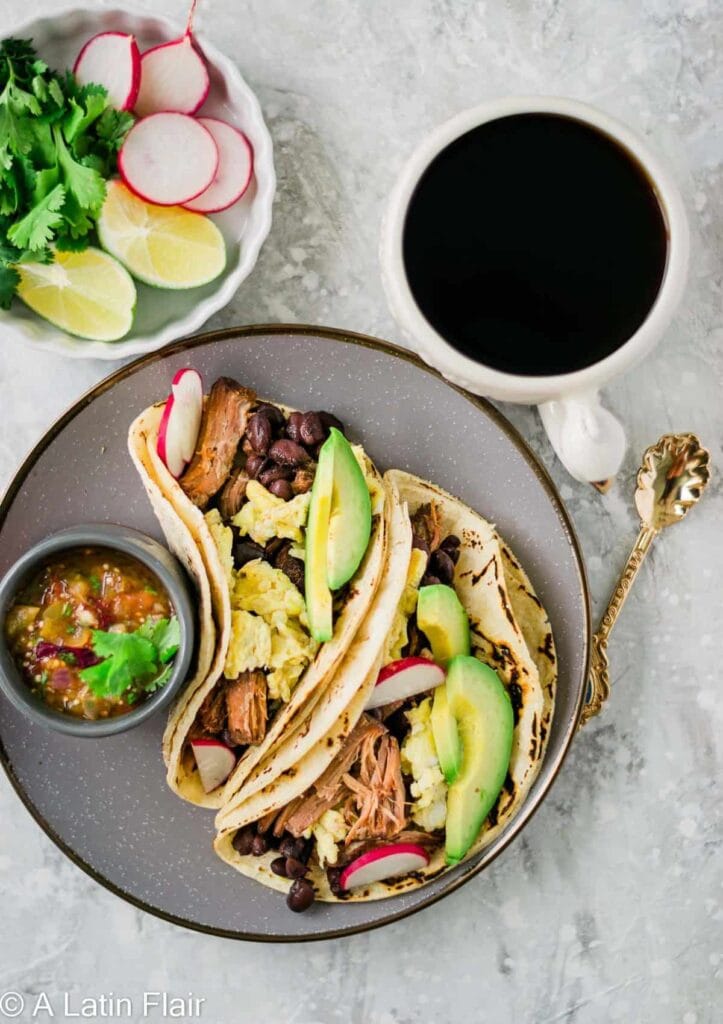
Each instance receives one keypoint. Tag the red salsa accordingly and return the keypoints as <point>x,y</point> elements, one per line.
<point>93,632</point>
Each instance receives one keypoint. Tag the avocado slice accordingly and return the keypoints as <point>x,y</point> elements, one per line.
<point>446,736</point>
<point>482,709</point>
<point>350,524</point>
<point>316,587</point>
<point>443,621</point>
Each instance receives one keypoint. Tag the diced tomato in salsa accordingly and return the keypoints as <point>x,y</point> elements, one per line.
<point>49,625</point>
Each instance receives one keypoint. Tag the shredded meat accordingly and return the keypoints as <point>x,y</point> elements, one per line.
<point>246,706</point>
<point>329,789</point>
<point>426,528</point>
<point>223,423</point>
<point>233,493</point>
<point>212,713</point>
<point>375,809</point>
<point>366,777</point>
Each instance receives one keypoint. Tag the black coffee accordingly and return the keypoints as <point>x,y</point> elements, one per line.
<point>535,244</point>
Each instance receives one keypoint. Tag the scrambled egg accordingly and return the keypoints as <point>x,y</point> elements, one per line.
<point>268,628</point>
<point>264,516</point>
<point>250,645</point>
<point>261,588</point>
<point>223,539</point>
<point>419,759</point>
<point>329,830</point>
<point>397,637</point>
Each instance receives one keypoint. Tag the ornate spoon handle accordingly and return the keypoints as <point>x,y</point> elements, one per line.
<point>599,675</point>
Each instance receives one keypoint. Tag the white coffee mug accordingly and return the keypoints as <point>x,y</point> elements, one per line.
<point>587,438</point>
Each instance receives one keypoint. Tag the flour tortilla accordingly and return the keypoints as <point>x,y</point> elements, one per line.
<point>494,591</point>
<point>361,662</point>
<point>173,506</point>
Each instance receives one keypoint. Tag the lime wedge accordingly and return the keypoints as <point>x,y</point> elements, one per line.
<point>87,294</point>
<point>164,246</point>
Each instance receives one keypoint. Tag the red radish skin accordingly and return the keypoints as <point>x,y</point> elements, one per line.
<point>215,762</point>
<point>173,77</point>
<point>235,168</point>
<point>382,863</point>
<point>113,60</point>
<point>405,678</point>
<point>181,421</point>
<point>168,159</point>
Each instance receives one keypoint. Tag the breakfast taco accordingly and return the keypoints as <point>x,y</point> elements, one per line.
<point>291,522</point>
<point>428,762</point>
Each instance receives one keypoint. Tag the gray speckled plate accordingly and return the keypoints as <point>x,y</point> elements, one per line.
<point>105,803</point>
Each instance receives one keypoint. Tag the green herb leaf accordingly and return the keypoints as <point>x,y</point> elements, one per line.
<point>129,659</point>
<point>82,182</point>
<point>165,634</point>
<point>133,662</point>
<point>9,280</point>
<point>36,228</point>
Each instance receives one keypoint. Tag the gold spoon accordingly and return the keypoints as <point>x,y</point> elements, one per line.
<point>673,475</point>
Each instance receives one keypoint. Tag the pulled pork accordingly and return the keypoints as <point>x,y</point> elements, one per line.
<point>426,528</point>
<point>212,713</point>
<point>365,778</point>
<point>223,423</point>
<point>246,707</point>
<point>233,493</point>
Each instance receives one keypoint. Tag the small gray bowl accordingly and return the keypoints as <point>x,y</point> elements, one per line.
<point>159,561</point>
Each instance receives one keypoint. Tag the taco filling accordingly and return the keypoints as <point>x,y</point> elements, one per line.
<point>421,771</point>
<point>290,505</point>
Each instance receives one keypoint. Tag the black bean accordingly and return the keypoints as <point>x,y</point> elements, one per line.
<point>329,420</point>
<point>293,567</point>
<point>259,433</point>
<point>295,868</point>
<point>275,473</point>
<point>259,846</point>
<point>303,479</point>
<point>275,415</point>
<point>312,429</point>
<point>301,896</point>
<point>287,847</point>
<point>243,840</point>
<point>442,566</point>
<point>254,465</point>
<point>281,489</point>
<point>245,551</point>
<point>334,877</point>
<point>288,453</point>
<point>278,866</point>
<point>293,426</point>
<point>451,546</point>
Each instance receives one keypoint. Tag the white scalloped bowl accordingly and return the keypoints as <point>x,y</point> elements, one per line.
<point>161,315</point>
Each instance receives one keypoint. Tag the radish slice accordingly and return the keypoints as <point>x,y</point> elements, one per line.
<point>383,862</point>
<point>235,168</point>
<point>168,159</point>
<point>404,678</point>
<point>173,77</point>
<point>181,421</point>
<point>215,762</point>
<point>113,60</point>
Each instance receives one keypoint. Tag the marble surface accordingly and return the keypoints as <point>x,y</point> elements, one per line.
<point>608,907</point>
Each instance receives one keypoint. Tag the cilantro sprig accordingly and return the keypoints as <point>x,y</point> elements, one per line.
<point>58,146</point>
<point>133,664</point>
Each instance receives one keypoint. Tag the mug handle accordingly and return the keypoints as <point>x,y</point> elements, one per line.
<point>588,440</point>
